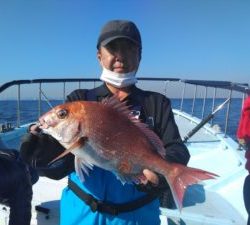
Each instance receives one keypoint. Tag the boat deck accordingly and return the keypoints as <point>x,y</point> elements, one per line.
<point>215,201</point>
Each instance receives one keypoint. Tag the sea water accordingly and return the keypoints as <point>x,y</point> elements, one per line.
<point>29,111</point>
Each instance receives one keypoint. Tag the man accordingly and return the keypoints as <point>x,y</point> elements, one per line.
<point>101,198</point>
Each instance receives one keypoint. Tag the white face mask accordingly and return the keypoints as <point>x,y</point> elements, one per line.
<point>119,80</point>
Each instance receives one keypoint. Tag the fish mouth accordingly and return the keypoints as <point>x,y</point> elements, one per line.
<point>42,124</point>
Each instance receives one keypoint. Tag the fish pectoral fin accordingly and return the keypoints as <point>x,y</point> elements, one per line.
<point>82,167</point>
<point>78,144</point>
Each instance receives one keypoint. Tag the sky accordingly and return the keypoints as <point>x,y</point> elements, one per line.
<point>187,39</point>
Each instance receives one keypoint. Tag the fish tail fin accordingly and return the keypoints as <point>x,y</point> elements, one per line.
<point>181,177</point>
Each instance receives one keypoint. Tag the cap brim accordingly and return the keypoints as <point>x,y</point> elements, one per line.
<point>108,40</point>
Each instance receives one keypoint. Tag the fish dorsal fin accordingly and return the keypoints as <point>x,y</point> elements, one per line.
<point>153,138</point>
<point>123,108</point>
<point>114,102</point>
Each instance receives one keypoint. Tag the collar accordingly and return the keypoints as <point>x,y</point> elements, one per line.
<point>103,91</point>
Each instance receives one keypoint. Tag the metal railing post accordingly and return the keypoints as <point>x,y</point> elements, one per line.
<point>39,100</point>
<point>204,103</point>
<point>227,113</point>
<point>213,104</point>
<point>182,97</point>
<point>18,106</point>
<point>194,98</point>
<point>165,87</point>
<point>64,91</point>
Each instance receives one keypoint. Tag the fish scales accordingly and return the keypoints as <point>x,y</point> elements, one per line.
<point>122,139</point>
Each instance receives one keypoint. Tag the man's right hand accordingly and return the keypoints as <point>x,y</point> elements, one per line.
<point>38,150</point>
<point>34,129</point>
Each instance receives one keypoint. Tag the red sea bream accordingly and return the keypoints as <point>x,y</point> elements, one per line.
<point>106,134</point>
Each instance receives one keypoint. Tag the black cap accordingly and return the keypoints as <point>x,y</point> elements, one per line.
<point>119,29</point>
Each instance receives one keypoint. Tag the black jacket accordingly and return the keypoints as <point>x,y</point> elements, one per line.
<point>16,180</point>
<point>154,109</point>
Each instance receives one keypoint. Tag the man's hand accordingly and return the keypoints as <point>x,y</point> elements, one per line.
<point>150,177</point>
<point>38,150</point>
<point>34,129</point>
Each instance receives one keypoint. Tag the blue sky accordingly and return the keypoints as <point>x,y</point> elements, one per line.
<point>189,39</point>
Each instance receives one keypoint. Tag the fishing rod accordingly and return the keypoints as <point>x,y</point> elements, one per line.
<point>46,98</point>
<point>47,101</point>
<point>204,121</point>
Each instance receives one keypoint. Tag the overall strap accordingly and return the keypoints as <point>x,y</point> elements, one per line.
<point>110,208</point>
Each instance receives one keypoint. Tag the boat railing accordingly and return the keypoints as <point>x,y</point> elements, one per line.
<point>230,87</point>
<point>203,93</point>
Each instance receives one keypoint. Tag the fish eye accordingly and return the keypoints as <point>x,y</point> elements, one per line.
<point>62,113</point>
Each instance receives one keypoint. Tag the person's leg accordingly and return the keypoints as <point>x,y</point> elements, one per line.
<point>246,195</point>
